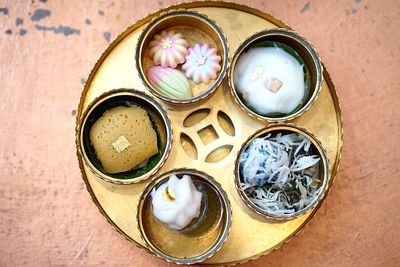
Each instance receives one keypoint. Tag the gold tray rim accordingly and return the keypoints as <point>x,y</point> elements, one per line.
<point>197,4</point>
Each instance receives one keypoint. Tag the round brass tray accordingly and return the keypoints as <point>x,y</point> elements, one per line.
<point>251,235</point>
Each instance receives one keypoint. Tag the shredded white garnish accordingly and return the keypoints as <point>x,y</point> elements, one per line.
<point>279,173</point>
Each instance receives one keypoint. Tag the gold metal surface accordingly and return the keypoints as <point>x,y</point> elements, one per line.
<point>324,170</point>
<point>118,203</point>
<point>194,243</point>
<point>196,28</point>
<point>306,51</point>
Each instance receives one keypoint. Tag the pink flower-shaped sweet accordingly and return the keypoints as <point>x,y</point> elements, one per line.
<point>168,49</point>
<point>202,63</point>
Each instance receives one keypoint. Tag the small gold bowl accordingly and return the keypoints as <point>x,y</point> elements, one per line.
<point>196,28</point>
<point>307,53</point>
<point>202,237</point>
<point>323,170</point>
<point>121,97</point>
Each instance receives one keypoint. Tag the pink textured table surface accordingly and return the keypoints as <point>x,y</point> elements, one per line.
<point>47,49</point>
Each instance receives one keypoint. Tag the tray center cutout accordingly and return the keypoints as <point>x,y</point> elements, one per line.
<point>219,153</point>
<point>226,123</point>
<point>188,146</point>
<point>208,134</point>
<point>196,116</point>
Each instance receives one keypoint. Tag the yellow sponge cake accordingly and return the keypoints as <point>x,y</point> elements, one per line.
<point>123,138</point>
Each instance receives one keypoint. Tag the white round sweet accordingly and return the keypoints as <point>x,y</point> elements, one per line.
<point>270,80</point>
<point>176,202</point>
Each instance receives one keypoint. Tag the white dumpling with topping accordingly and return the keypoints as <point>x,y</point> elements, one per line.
<point>176,202</point>
<point>270,80</point>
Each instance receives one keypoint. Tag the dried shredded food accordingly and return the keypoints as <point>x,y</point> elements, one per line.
<point>280,173</point>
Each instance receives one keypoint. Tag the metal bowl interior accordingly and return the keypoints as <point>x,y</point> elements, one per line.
<point>307,53</point>
<point>123,97</point>
<point>196,28</point>
<point>316,147</point>
<point>191,244</point>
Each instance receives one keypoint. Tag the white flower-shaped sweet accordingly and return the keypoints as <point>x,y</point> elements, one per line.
<point>202,63</point>
<point>168,49</point>
<point>176,202</point>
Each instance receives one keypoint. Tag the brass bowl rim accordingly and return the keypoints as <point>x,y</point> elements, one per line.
<point>199,16</point>
<point>294,36</point>
<point>325,163</point>
<point>226,208</point>
<point>130,93</point>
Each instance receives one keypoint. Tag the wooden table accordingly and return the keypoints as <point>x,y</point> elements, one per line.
<point>47,49</point>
